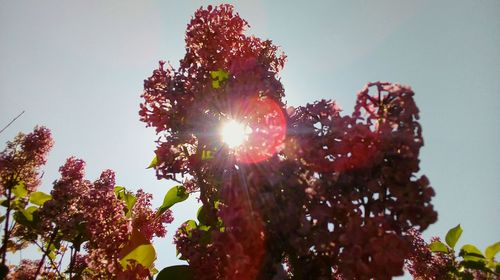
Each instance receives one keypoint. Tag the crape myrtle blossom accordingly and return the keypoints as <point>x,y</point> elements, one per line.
<point>319,194</point>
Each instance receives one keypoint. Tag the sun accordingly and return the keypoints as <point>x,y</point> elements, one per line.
<point>234,133</point>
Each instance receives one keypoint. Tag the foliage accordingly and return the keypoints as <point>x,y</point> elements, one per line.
<point>312,193</point>
<point>438,260</point>
<point>107,230</point>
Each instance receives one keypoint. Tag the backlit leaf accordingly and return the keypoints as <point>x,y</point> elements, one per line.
<point>471,253</point>
<point>143,254</point>
<point>218,77</point>
<point>28,212</point>
<point>127,197</point>
<point>153,163</point>
<point>453,235</point>
<point>39,198</point>
<point>174,195</point>
<point>202,215</point>
<point>438,246</point>
<point>20,190</point>
<point>492,250</point>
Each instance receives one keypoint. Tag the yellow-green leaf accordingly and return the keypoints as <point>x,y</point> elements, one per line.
<point>153,163</point>
<point>492,250</point>
<point>143,254</point>
<point>218,77</point>
<point>127,197</point>
<point>206,155</point>
<point>438,246</point>
<point>39,198</point>
<point>20,190</point>
<point>453,235</point>
<point>28,212</point>
<point>174,195</point>
<point>471,253</point>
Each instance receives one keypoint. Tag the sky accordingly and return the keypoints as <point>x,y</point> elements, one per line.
<point>78,67</point>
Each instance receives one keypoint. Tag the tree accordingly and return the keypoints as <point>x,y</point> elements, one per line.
<point>309,193</point>
<point>286,193</point>
<point>107,229</point>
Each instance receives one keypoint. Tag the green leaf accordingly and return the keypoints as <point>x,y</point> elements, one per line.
<point>492,250</point>
<point>187,227</point>
<point>218,77</point>
<point>475,265</point>
<point>201,215</point>
<point>153,163</point>
<point>118,190</point>
<point>2,218</point>
<point>18,203</point>
<point>177,272</point>
<point>20,190</point>
<point>471,253</point>
<point>127,197</point>
<point>153,271</point>
<point>144,254</point>
<point>206,155</point>
<point>190,224</point>
<point>215,84</point>
<point>174,195</point>
<point>39,198</point>
<point>453,235</point>
<point>28,212</point>
<point>438,246</point>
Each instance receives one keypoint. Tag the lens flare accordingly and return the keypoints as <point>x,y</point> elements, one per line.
<point>234,133</point>
<point>261,134</point>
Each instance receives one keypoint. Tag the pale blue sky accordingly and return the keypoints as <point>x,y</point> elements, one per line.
<point>77,67</point>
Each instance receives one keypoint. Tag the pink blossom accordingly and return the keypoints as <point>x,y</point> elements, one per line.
<point>145,219</point>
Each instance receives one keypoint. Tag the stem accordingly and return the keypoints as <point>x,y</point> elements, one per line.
<point>6,235</point>
<point>5,127</point>
<point>60,260</point>
<point>72,262</point>
<point>45,252</point>
<point>51,261</point>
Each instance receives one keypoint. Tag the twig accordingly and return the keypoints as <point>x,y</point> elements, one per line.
<point>13,120</point>
<point>51,261</point>
<point>46,252</point>
<point>6,234</point>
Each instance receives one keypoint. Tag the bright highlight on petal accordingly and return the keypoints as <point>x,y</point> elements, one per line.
<point>234,133</point>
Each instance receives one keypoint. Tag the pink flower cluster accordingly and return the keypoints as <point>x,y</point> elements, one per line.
<point>91,217</point>
<point>22,158</point>
<point>64,211</point>
<point>148,223</point>
<point>323,194</point>
<point>26,270</point>
<point>422,263</point>
<point>107,227</point>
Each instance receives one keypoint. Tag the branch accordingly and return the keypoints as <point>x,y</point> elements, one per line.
<point>13,120</point>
